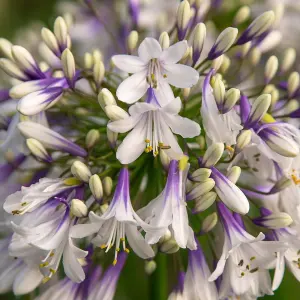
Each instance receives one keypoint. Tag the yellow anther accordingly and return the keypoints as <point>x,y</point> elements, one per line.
<point>252,258</point>
<point>126,250</point>
<point>267,118</point>
<point>229,148</point>
<point>295,179</point>
<point>72,181</point>
<point>45,264</point>
<point>165,75</point>
<point>52,271</point>
<point>147,141</point>
<point>117,249</point>
<point>103,246</point>
<point>46,279</point>
<point>160,144</point>
<point>15,212</point>
<point>24,203</point>
<point>183,162</point>
<point>122,239</point>
<point>52,253</point>
<point>114,262</point>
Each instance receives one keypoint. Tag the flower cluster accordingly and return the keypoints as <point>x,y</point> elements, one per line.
<point>172,136</point>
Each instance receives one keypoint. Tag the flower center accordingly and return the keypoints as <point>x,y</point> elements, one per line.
<point>246,268</point>
<point>117,236</point>
<point>154,72</point>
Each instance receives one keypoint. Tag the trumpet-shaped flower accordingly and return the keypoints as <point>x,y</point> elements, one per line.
<point>154,68</point>
<point>153,127</point>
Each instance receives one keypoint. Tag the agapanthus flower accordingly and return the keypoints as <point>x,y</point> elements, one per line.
<point>155,68</point>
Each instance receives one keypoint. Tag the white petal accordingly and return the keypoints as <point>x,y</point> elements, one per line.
<point>149,48</point>
<point>82,230</point>
<point>140,108</point>
<point>134,144</point>
<point>138,243</point>
<point>279,271</point>
<point>123,125</point>
<point>181,76</point>
<point>180,225</point>
<point>129,63</point>
<point>174,53</point>
<point>163,92</point>
<point>182,126</point>
<point>173,107</point>
<point>133,88</point>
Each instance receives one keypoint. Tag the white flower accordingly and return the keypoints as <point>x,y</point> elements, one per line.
<point>152,129</point>
<point>154,68</point>
<point>117,223</point>
<point>219,128</point>
<point>244,258</point>
<point>169,210</point>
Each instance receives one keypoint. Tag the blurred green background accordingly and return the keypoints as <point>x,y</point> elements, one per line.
<point>16,15</point>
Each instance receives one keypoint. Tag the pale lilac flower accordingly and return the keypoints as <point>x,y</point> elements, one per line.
<point>153,127</point>
<point>154,68</point>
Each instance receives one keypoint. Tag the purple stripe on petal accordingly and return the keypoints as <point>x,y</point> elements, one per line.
<point>4,95</point>
<point>245,108</point>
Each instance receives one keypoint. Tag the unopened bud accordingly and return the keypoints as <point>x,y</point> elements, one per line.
<point>164,158</point>
<point>185,93</point>
<point>50,40</point>
<point>98,73</point>
<point>38,150</point>
<point>150,267</point>
<point>81,171</point>
<point>103,208</point>
<point>289,59</point>
<point>201,142</point>
<point>255,56</point>
<point>5,48</point>
<point>204,202</point>
<point>259,108</point>
<point>213,154</point>
<point>224,41</point>
<point>199,35</point>
<point>96,187</point>
<point>115,112</point>
<point>282,184</point>
<point>167,236</point>
<point>201,174</point>
<point>217,63</point>
<point>88,60</point>
<point>244,139</point>
<point>107,185</point>
<point>242,15</point>
<point>183,18</point>
<point>106,98</point>
<point>201,189</point>
<point>209,222</point>
<point>231,98</point>
<point>78,208</point>
<point>219,91</point>
<point>11,69</point>
<point>169,247</point>
<point>271,68</point>
<point>132,40</point>
<point>274,221</point>
<point>112,137</point>
<point>270,41</point>
<point>68,64</point>
<point>164,40</point>
<point>61,32</point>
<point>293,83</point>
<point>260,25</point>
<point>92,137</point>
<point>234,174</point>
<point>225,64</point>
<point>97,56</point>
<point>244,49</point>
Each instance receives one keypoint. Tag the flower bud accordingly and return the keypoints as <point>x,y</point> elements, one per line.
<point>231,98</point>
<point>81,171</point>
<point>107,185</point>
<point>225,64</point>
<point>282,184</point>
<point>224,41</point>
<point>234,174</point>
<point>185,93</point>
<point>271,68</point>
<point>217,63</point>
<point>150,267</point>
<point>201,189</point>
<point>164,40</point>
<point>213,154</point>
<point>183,19</point>
<point>275,220</point>
<point>61,32</point>
<point>51,41</point>
<point>255,56</point>
<point>242,15</point>
<point>88,60</point>
<point>72,181</point>
<point>105,98</point>
<point>68,64</point>
<point>244,49</point>
<point>219,91</point>
<point>243,139</point>
<point>204,202</point>
<point>103,208</point>
<point>98,73</point>
<point>209,223</point>
<point>201,174</point>
<point>167,236</point>
<point>112,138</point>
<point>199,35</point>
<point>97,56</point>
<point>78,208</point>
<point>201,142</point>
<point>115,112</point>
<point>132,40</point>
<point>92,137</point>
<point>289,59</point>
<point>5,48</point>
<point>270,41</point>
<point>293,84</point>
<point>38,150</point>
<point>96,187</point>
<point>11,69</point>
<point>259,108</point>
<point>169,246</point>
<point>260,25</point>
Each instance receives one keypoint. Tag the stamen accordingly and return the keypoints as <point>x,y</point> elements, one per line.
<point>241,263</point>
<point>254,270</point>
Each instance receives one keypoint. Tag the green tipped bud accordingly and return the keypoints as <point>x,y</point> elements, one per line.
<point>244,139</point>
<point>271,68</point>
<point>260,107</point>
<point>242,15</point>
<point>88,60</point>
<point>92,137</point>
<point>38,150</point>
<point>106,98</point>
<point>169,247</point>
<point>293,83</point>
<point>61,31</point>
<point>68,64</point>
<point>164,40</point>
<point>98,73</point>
<point>262,23</point>
<point>209,223</point>
<point>96,187</point>
<point>231,98</point>
<point>107,185</point>
<point>199,35</point>
<point>219,91</point>
<point>217,63</point>
<point>183,17</point>
<point>150,267</point>
<point>234,174</point>
<point>282,184</point>
<point>50,40</point>
<point>201,189</point>
<point>78,208</point>
<point>201,174</point>
<point>289,59</point>
<point>115,112</point>
<point>225,64</point>
<point>213,154</point>
<point>204,202</point>
<point>132,40</point>
<point>81,171</point>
